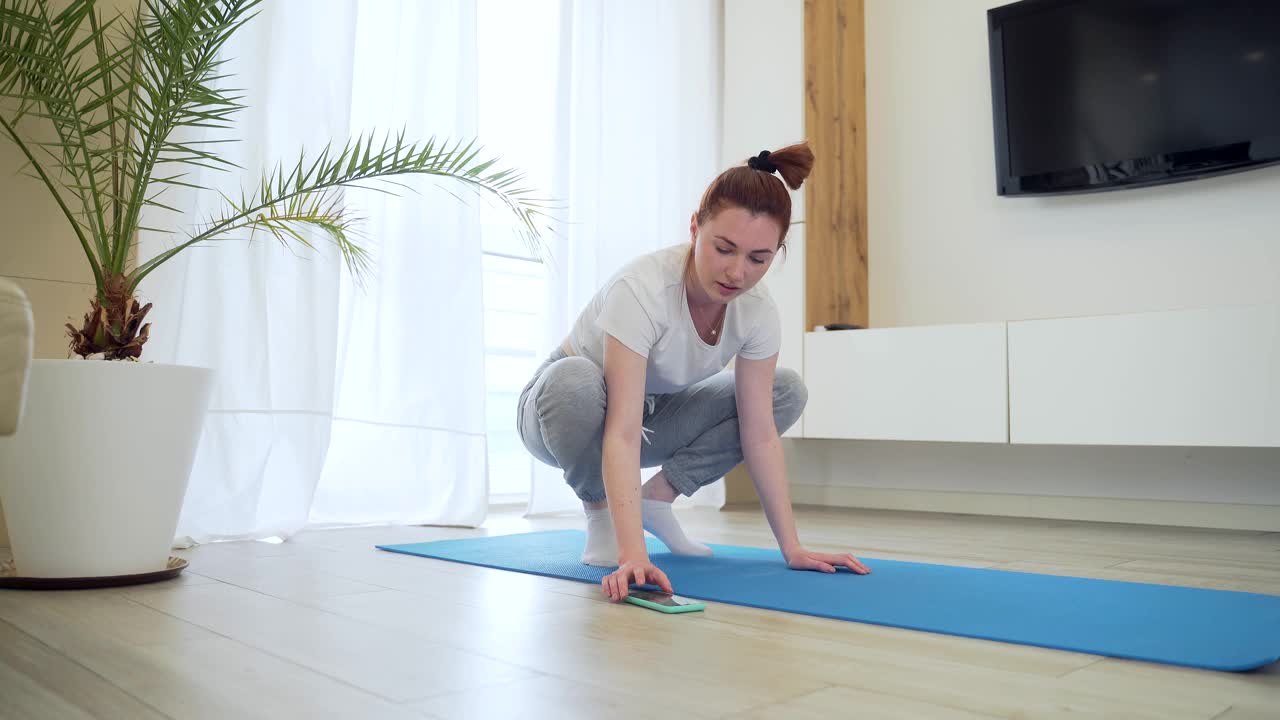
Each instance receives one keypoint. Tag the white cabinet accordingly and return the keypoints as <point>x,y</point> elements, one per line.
<point>1205,377</point>
<point>1191,377</point>
<point>938,383</point>
<point>786,284</point>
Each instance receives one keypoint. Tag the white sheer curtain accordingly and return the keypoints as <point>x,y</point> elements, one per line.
<point>335,405</point>
<point>638,140</point>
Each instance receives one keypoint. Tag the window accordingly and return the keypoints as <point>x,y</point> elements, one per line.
<point>518,50</point>
<point>512,323</point>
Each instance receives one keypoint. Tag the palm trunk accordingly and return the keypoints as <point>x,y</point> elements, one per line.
<point>113,326</point>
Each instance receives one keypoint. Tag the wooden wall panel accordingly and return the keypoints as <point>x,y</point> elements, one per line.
<point>836,192</point>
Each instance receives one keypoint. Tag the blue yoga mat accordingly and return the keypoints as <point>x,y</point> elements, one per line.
<point>1212,629</point>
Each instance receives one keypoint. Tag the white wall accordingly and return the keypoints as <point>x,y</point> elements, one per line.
<point>764,110</point>
<point>1196,487</point>
<point>944,248</point>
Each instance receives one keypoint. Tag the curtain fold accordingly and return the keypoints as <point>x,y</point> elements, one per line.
<point>637,142</point>
<point>335,404</point>
<point>339,405</point>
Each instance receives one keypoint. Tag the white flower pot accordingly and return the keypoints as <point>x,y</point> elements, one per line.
<point>93,481</point>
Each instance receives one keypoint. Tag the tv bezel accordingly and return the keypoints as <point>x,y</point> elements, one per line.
<point>1191,165</point>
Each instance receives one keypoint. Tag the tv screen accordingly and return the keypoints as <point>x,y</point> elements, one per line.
<point>1092,95</point>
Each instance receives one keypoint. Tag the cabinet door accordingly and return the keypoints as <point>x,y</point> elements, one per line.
<point>936,383</point>
<point>1193,377</point>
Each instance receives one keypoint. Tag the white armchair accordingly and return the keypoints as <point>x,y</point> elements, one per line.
<point>17,342</point>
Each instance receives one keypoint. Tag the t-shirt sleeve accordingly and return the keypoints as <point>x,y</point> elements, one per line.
<point>766,338</point>
<point>626,317</point>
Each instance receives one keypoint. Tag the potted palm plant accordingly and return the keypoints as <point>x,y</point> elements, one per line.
<point>93,481</point>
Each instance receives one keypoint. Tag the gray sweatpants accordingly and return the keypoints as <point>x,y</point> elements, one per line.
<point>692,434</point>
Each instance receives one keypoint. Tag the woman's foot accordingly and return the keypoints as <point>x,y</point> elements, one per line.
<point>661,521</point>
<point>602,543</point>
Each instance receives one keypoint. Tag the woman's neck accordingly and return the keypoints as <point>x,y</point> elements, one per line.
<point>699,300</point>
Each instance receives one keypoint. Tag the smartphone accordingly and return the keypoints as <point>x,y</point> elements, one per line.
<point>663,601</point>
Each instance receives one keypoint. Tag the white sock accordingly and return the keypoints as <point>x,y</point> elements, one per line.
<point>602,544</point>
<point>661,521</point>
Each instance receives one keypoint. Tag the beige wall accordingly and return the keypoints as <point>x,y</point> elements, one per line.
<point>40,253</point>
<point>38,250</point>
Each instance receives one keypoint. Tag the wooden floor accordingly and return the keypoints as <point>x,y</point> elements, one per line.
<point>326,626</point>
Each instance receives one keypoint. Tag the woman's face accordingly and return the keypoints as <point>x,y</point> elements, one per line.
<point>732,251</point>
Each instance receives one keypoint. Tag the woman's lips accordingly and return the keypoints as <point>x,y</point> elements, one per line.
<point>726,289</point>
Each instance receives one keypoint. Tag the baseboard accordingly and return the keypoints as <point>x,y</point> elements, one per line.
<point>1225,516</point>
<point>738,488</point>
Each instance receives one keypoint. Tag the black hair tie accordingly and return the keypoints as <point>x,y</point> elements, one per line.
<point>762,162</point>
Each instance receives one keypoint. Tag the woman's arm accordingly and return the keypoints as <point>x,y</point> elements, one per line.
<point>762,449</point>
<point>624,376</point>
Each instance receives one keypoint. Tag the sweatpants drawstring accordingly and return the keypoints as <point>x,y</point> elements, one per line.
<point>649,402</point>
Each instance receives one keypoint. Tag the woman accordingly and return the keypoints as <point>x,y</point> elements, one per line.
<point>639,381</point>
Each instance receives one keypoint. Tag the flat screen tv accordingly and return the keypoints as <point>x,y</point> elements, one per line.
<point>1092,95</point>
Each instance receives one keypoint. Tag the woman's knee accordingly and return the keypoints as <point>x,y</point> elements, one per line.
<point>575,377</point>
<point>571,399</point>
<point>789,395</point>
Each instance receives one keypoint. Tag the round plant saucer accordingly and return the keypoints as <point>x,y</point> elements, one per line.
<point>9,578</point>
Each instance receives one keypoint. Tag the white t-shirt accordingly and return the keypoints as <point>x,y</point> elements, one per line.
<point>645,307</point>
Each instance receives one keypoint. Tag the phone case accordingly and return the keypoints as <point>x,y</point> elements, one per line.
<point>692,607</point>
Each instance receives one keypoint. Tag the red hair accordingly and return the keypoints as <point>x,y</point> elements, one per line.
<point>753,187</point>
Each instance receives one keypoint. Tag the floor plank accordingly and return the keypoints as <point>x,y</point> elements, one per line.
<point>324,625</point>
<point>552,698</point>
<point>847,702</point>
<point>38,683</point>
<point>373,659</point>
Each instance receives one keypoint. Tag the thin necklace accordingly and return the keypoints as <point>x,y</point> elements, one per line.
<point>715,327</point>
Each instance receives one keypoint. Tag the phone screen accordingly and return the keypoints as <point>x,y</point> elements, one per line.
<point>658,597</point>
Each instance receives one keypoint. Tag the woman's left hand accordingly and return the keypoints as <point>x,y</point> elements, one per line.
<point>824,562</point>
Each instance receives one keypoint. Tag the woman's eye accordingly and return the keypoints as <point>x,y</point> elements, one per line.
<point>756,260</point>
<point>723,251</point>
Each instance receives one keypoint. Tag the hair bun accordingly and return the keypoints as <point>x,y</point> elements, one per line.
<point>762,162</point>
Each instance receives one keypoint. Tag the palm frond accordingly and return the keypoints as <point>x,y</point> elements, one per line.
<point>301,193</point>
<point>104,108</point>
<point>175,81</point>
<point>36,69</point>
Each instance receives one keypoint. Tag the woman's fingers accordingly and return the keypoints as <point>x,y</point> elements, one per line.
<point>662,581</point>
<point>616,585</point>
<point>849,561</point>
<point>845,560</point>
<point>812,562</point>
<point>826,562</point>
<point>856,565</point>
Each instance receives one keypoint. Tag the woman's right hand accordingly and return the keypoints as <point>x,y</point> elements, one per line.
<point>642,572</point>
